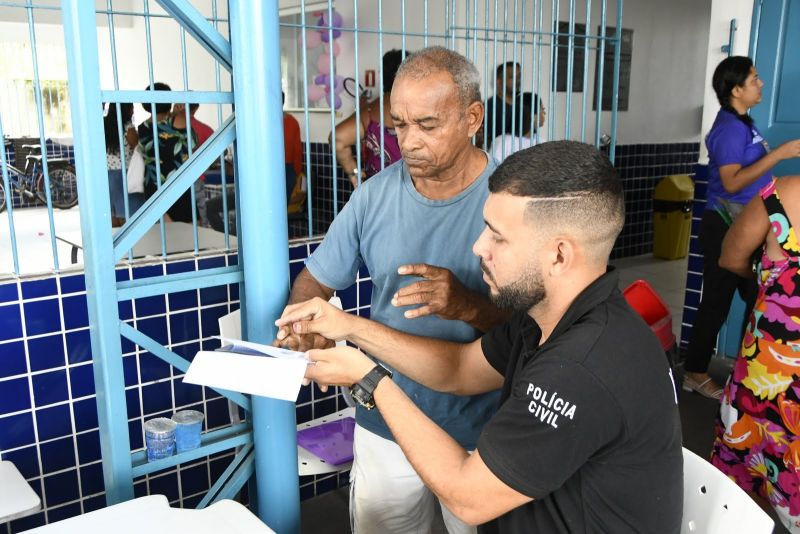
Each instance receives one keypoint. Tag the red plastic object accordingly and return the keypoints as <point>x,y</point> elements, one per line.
<point>646,302</point>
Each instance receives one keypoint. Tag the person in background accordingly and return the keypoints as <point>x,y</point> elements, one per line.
<point>409,225</point>
<point>173,150</point>
<point>587,436</point>
<point>739,165</point>
<point>500,107</point>
<point>758,428</point>
<point>373,159</point>
<point>202,132</point>
<point>295,178</point>
<point>506,144</point>
<point>114,156</point>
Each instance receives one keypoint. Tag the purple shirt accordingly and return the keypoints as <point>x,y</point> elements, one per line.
<point>731,141</point>
<point>372,148</point>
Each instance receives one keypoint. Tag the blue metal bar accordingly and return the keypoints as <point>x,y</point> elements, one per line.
<point>189,144</point>
<point>159,285</point>
<point>173,359</point>
<point>359,139</point>
<point>585,69</point>
<point>728,48</point>
<point>80,32</point>
<point>380,76</point>
<point>615,101</point>
<point>494,82</point>
<point>210,443</point>
<point>309,205</point>
<point>514,79</point>
<point>141,221</point>
<point>153,116</point>
<point>242,474</point>
<point>505,81</point>
<point>570,70</point>
<point>168,97</point>
<point>425,24</point>
<point>486,75</point>
<point>222,170</point>
<point>223,479</point>
<point>331,99</point>
<point>538,61</point>
<point>37,90</point>
<point>199,28</point>
<point>256,63</point>
<point>402,27</point>
<point>9,204</point>
<point>554,19</point>
<point>598,90</point>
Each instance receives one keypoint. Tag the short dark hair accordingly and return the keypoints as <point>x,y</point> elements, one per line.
<point>193,107</point>
<point>391,62</point>
<point>508,65</point>
<point>572,187</point>
<point>160,108</point>
<point>730,73</point>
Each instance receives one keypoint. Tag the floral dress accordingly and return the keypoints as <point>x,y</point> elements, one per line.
<point>758,429</point>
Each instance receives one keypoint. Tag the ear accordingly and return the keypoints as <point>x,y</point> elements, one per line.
<point>736,92</point>
<point>562,257</point>
<point>474,117</point>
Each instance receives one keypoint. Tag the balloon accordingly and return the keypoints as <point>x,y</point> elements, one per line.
<point>313,39</point>
<point>337,100</point>
<point>337,19</point>
<point>326,37</point>
<point>322,79</point>
<point>315,93</point>
<point>336,49</point>
<point>338,84</point>
<point>324,65</point>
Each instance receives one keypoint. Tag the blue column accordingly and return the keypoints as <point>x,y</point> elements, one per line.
<point>80,32</point>
<point>263,241</point>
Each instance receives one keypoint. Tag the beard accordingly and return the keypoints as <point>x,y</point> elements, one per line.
<point>523,293</point>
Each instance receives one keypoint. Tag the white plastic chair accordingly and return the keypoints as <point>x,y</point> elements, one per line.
<point>230,326</point>
<point>714,504</point>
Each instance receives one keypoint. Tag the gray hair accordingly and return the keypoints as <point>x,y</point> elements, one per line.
<point>433,59</point>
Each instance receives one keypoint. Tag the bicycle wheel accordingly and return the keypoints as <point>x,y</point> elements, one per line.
<point>2,197</point>
<point>63,187</point>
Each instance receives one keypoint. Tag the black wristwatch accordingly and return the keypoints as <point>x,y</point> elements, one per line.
<point>363,390</point>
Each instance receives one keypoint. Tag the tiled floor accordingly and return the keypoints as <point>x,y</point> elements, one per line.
<point>329,511</point>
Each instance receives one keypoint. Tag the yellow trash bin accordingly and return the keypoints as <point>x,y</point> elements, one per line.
<point>672,216</point>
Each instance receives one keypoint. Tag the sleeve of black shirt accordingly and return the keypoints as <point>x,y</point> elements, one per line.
<point>557,417</point>
<point>497,344</point>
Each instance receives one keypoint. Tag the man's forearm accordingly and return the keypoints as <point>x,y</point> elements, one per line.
<point>429,361</point>
<point>306,287</point>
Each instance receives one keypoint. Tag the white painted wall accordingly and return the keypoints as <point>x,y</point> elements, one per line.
<point>722,11</point>
<point>667,86</point>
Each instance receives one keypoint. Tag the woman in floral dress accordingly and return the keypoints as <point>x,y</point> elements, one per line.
<point>758,429</point>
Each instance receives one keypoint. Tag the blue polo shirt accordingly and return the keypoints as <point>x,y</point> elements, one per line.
<point>732,141</point>
<point>388,223</point>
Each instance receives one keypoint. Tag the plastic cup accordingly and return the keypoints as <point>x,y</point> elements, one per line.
<point>189,426</point>
<point>159,437</point>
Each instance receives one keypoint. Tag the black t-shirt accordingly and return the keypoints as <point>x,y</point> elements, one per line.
<point>588,423</point>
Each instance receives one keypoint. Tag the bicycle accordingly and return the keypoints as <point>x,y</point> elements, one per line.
<point>29,183</point>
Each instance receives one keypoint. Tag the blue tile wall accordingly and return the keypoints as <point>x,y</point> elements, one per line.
<point>694,272</point>
<point>48,414</point>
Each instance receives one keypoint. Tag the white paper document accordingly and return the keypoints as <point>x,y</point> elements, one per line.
<point>249,367</point>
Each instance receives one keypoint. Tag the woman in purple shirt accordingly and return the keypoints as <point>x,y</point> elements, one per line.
<point>740,164</point>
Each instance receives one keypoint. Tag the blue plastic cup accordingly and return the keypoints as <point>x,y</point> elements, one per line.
<point>159,438</point>
<point>187,432</point>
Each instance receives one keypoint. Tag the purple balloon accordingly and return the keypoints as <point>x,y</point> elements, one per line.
<point>337,100</point>
<point>337,19</point>
<point>326,37</point>
<point>321,79</point>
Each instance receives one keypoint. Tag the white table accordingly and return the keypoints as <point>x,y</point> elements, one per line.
<point>17,498</point>
<point>179,238</point>
<point>153,515</point>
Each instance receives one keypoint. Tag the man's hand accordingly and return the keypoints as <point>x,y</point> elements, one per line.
<point>315,316</point>
<point>441,293</point>
<point>339,366</point>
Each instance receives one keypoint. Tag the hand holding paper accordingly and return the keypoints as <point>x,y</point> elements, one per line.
<point>315,316</point>
<point>250,368</point>
<point>340,366</point>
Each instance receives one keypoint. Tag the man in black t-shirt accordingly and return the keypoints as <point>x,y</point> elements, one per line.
<point>586,437</point>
